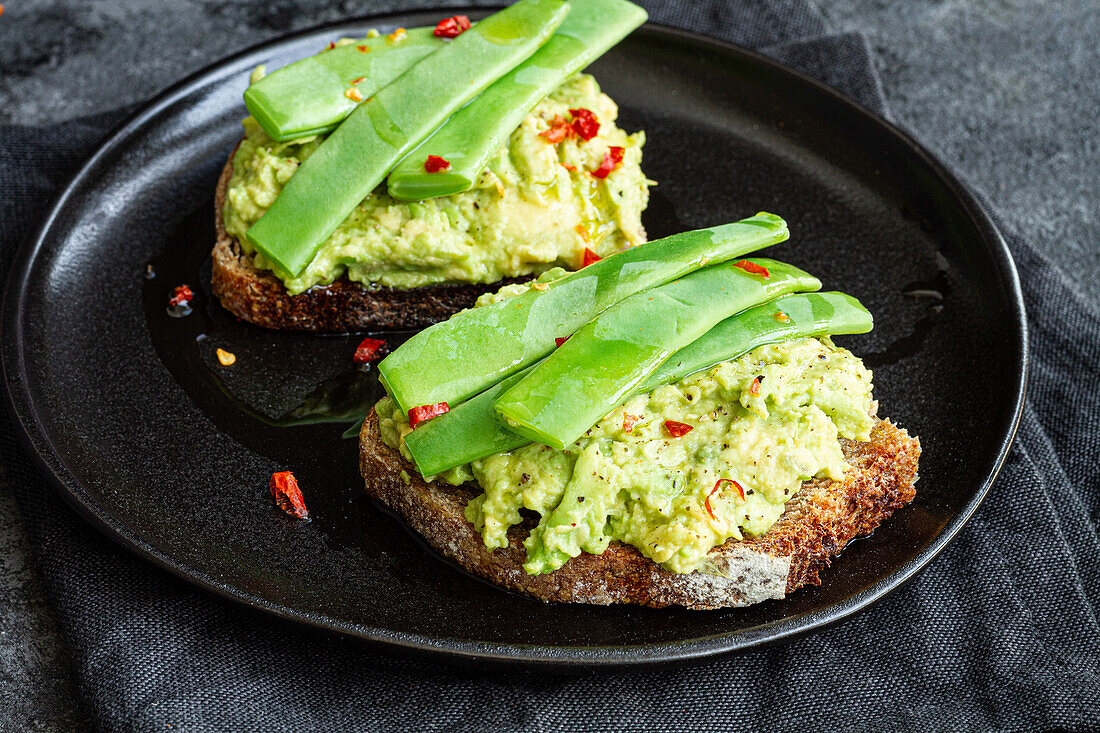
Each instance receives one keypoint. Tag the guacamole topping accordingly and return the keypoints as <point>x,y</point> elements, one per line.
<point>534,207</point>
<point>766,421</point>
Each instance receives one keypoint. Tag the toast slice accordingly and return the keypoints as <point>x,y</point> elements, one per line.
<point>257,296</point>
<point>815,526</point>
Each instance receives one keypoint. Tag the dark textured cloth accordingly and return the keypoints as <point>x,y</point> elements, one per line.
<point>1000,632</point>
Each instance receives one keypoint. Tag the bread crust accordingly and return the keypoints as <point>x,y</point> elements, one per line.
<point>259,297</point>
<point>815,526</point>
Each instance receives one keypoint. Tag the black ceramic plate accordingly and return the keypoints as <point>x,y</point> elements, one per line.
<point>169,453</point>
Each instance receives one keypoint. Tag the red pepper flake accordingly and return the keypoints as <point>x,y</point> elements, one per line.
<point>629,421</point>
<point>363,49</point>
<point>753,268</point>
<point>781,317</point>
<point>568,166</point>
<point>419,414</point>
<point>560,340</point>
<point>585,123</point>
<point>369,350</point>
<point>754,388</point>
<point>706,505</point>
<point>182,295</point>
<point>588,257</point>
<point>434,164</point>
<point>1,9</point>
<point>356,81</point>
<point>452,27</point>
<point>559,130</point>
<point>287,495</point>
<point>612,159</point>
<point>330,46</point>
<point>678,429</point>
<point>719,482</point>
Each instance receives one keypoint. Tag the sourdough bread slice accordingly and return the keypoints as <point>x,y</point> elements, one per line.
<point>815,526</point>
<point>259,297</point>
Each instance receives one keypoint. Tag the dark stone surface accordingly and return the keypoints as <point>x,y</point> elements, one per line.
<point>1004,72</point>
<point>997,89</point>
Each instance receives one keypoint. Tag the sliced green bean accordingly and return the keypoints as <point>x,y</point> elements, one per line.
<point>468,432</point>
<point>474,133</point>
<point>810,314</point>
<point>611,355</point>
<point>473,350</point>
<point>356,157</point>
<point>472,430</point>
<point>309,97</point>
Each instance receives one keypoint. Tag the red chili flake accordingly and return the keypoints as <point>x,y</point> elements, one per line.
<point>706,505</point>
<point>781,317</point>
<point>559,130</point>
<point>434,164</point>
<point>629,421</point>
<point>330,46</point>
<point>561,340</point>
<point>719,482</point>
<point>452,27</point>
<point>1,9</point>
<point>567,166</point>
<point>753,268</point>
<point>754,388</point>
<point>287,495</point>
<point>585,123</point>
<point>369,350</point>
<point>589,257</point>
<point>182,295</point>
<point>419,414</point>
<point>678,429</point>
<point>356,81</point>
<point>363,49</point>
<point>612,159</point>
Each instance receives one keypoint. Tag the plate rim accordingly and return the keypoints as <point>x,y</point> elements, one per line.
<point>38,446</point>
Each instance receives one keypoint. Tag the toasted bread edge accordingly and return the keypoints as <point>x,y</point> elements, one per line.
<point>816,525</point>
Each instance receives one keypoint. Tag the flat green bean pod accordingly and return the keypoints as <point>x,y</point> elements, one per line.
<point>611,355</point>
<point>473,350</point>
<point>473,430</point>
<point>359,153</point>
<point>310,97</point>
<point>474,133</point>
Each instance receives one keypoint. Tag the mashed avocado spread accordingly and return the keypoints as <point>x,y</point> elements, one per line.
<point>535,206</point>
<point>629,479</point>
